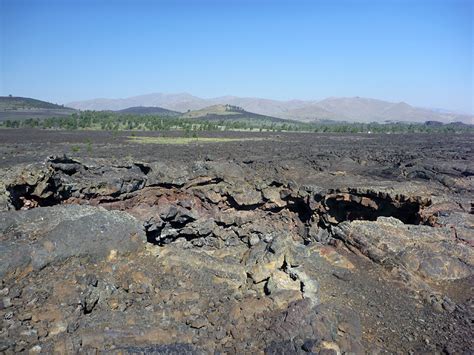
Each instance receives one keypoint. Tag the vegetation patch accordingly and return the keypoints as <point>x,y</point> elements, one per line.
<point>111,121</point>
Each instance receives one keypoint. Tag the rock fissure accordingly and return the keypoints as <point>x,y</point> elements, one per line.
<point>314,213</point>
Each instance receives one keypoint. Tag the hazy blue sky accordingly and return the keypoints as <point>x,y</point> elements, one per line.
<point>420,52</point>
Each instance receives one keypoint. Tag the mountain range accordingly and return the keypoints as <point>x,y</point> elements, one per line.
<point>350,109</point>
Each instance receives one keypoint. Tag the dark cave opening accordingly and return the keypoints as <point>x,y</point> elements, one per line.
<point>350,207</point>
<point>22,196</point>
<point>301,208</point>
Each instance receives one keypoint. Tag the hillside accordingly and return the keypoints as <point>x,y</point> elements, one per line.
<point>145,110</point>
<point>21,103</point>
<point>17,108</point>
<point>229,112</point>
<point>350,109</point>
<point>219,110</point>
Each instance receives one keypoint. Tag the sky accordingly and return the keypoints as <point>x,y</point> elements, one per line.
<point>416,51</point>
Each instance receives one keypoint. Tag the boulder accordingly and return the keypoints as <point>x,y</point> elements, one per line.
<point>36,238</point>
<point>430,253</point>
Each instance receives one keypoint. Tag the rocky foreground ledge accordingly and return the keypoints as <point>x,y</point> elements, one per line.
<point>220,257</point>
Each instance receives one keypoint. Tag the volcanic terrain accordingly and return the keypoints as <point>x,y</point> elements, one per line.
<point>238,243</point>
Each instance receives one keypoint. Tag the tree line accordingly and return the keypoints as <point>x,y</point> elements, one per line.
<point>103,120</point>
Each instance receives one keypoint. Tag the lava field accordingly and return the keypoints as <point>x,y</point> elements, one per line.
<point>285,243</point>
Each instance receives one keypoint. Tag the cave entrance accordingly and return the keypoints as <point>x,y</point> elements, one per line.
<point>350,207</point>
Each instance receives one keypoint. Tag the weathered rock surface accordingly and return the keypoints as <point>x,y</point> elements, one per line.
<point>433,254</point>
<point>31,240</point>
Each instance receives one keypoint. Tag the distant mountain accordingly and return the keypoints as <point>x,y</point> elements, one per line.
<point>370,110</point>
<point>351,109</point>
<point>146,110</point>
<point>229,112</point>
<point>17,108</point>
<point>175,102</point>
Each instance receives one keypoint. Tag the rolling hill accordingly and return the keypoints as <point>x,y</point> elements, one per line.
<point>17,108</point>
<point>350,109</point>
<point>229,112</point>
<point>22,103</point>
